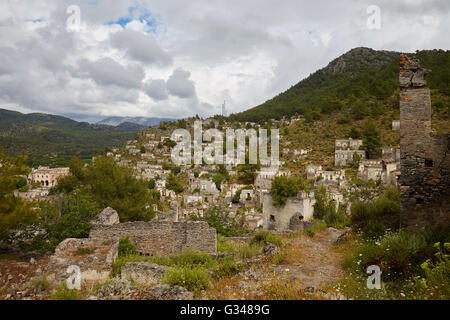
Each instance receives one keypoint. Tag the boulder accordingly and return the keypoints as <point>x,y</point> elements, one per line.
<point>107,217</point>
<point>270,249</point>
<point>143,273</point>
<point>168,292</point>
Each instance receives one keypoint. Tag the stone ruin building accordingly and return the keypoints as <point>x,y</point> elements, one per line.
<point>292,215</point>
<point>425,156</point>
<point>46,176</point>
<point>385,169</point>
<point>345,149</point>
<point>101,248</point>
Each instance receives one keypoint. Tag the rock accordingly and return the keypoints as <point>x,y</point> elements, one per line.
<point>143,273</point>
<point>114,288</point>
<point>168,292</point>
<point>32,261</point>
<point>10,277</point>
<point>270,249</point>
<point>107,217</point>
<point>338,236</point>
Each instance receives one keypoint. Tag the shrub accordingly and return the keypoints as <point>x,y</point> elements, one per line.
<point>437,274</point>
<point>81,251</point>
<point>191,257</point>
<point>398,254</point>
<point>284,187</point>
<point>317,227</point>
<point>126,247</point>
<point>263,236</point>
<point>228,268</point>
<point>336,218</point>
<point>369,216</point>
<point>279,258</point>
<point>63,293</point>
<point>194,279</point>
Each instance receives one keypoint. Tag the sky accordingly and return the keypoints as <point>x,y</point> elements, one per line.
<point>92,59</point>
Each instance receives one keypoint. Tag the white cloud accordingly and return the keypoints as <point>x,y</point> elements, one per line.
<point>173,58</point>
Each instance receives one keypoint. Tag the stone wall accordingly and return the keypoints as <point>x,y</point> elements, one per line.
<point>425,157</point>
<point>161,237</point>
<point>290,216</point>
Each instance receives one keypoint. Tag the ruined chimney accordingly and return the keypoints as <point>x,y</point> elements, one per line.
<point>425,160</point>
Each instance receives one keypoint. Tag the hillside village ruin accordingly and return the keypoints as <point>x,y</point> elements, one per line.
<point>419,167</point>
<point>421,157</point>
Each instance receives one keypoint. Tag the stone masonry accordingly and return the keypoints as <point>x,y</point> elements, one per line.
<point>425,157</point>
<point>161,237</point>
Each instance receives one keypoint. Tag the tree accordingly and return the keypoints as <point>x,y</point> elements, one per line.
<point>284,187</point>
<point>15,213</point>
<point>220,220</point>
<point>172,183</point>
<point>110,186</point>
<point>371,140</point>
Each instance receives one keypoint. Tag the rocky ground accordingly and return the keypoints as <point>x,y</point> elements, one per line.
<point>308,268</point>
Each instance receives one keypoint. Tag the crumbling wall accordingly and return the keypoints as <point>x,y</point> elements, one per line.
<point>425,157</point>
<point>290,216</point>
<point>161,237</point>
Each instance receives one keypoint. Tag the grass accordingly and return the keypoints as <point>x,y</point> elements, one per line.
<point>194,279</point>
<point>316,228</point>
<point>262,237</point>
<point>41,281</point>
<point>63,293</point>
<point>81,251</point>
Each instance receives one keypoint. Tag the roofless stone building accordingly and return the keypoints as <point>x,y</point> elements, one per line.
<point>425,156</point>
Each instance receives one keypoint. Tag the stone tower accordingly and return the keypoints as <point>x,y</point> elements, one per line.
<point>425,157</point>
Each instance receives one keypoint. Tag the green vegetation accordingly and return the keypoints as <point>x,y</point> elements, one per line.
<point>81,251</point>
<point>363,82</point>
<point>284,187</point>
<point>126,247</point>
<point>262,237</point>
<point>225,225</point>
<point>194,279</point>
<point>110,185</point>
<point>63,293</point>
<point>318,226</point>
<point>173,183</point>
<point>228,268</point>
<point>413,266</point>
<point>52,140</point>
<point>371,140</point>
<point>371,217</point>
<point>15,213</point>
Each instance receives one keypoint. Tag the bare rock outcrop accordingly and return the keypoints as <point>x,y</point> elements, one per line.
<point>143,273</point>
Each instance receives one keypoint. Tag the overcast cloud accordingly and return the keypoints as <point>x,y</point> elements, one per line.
<point>181,58</point>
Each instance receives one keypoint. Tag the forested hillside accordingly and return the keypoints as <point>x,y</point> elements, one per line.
<point>357,84</point>
<point>51,140</point>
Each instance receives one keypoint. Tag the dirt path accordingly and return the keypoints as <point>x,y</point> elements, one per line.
<point>310,265</point>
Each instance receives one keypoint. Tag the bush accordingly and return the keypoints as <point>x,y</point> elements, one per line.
<point>63,293</point>
<point>370,216</point>
<point>126,247</point>
<point>317,227</point>
<point>220,220</point>
<point>437,275</point>
<point>263,236</point>
<point>191,258</point>
<point>81,251</point>
<point>194,279</point>
<point>398,254</point>
<point>284,187</point>
<point>227,268</point>
<point>336,218</point>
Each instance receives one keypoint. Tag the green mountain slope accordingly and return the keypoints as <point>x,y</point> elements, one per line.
<point>51,140</point>
<point>358,83</point>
